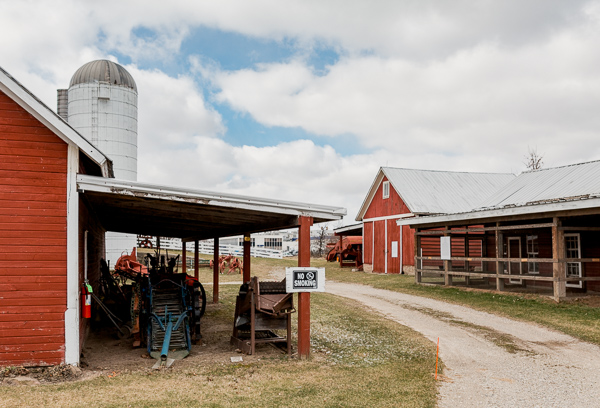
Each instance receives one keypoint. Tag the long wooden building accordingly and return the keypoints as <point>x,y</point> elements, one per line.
<point>406,193</point>
<point>540,233</point>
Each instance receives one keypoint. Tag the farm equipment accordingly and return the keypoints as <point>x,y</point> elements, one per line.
<point>166,307</point>
<point>261,308</point>
<point>175,305</point>
<point>229,263</point>
<point>347,253</point>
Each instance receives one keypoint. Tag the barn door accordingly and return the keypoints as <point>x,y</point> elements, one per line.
<point>514,251</point>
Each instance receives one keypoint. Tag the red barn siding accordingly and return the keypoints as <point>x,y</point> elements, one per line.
<point>33,239</point>
<point>368,242</point>
<point>375,250</point>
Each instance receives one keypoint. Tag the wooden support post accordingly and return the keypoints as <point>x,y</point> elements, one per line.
<point>246,266</point>
<point>558,267</point>
<point>304,298</point>
<point>499,281</point>
<point>341,240</point>
<point>447,276</point>
<point>417,248</point>
<point>216,271</point>
<point>196,259</point>
<point>183,258</point>
<point>467,279</point>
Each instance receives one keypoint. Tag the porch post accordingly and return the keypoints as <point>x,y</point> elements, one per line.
<point>558,265</point>
<point>216,271</point>
<point>246,268</point>
<point>341,241</point>
<point>467,277</point>
<point>499,281</point>
<point>417,248</point>
<point>447,276</point>
<point>304,297</point>
<point>183,258</point>
<point>196,259</point>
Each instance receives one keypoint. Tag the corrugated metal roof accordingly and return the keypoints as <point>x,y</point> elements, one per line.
<point>573,182</point>
<point>103,71</point>
<point>444,192</point>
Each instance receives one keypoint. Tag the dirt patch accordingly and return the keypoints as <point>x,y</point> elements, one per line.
<point>36,375</point>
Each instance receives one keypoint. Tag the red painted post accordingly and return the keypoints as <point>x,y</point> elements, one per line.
<point>183,258</point>
<point>304,298</point>
<point>246,266</point>
<point>341,248</point>
<point>216,271</point>
<point>196,260</point>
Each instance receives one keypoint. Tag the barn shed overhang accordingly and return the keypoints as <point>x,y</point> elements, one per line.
<point>355,230</point>
<point>148,209</point>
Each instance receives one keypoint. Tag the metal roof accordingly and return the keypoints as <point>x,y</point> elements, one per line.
<point>532,194</point>
<point>573,182</point>
<point>148,209</point>
<point>103,71</point>
<point>438,192</point>
<point>349,230</point>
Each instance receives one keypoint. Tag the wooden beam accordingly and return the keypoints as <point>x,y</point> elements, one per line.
<point>417,257</point>
<point>246,266</point>
<point>196,260</point>
<point>304,297</point>
<point>486,229</point>
<point>558,267</point>
<point>183,258</point>
<point>216,270</point>
<point>499,280</point>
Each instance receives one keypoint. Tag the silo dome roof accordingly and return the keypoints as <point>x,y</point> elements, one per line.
<point>103,71</point>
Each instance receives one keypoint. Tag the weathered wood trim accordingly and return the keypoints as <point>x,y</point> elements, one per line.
<point>558,267</point>
<point>72,350</point>
<point>485,229</point>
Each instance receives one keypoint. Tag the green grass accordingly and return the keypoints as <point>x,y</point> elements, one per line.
<point>577,319</point>
<point>358,359</point>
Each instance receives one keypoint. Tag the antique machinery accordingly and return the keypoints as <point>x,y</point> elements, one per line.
<point>261,308</point>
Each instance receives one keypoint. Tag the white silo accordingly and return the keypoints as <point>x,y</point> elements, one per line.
<point>101,104</point>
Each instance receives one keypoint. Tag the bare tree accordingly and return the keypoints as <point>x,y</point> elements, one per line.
<point>533,160</point>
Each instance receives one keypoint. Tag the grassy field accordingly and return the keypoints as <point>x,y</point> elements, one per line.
<point>358,359</point>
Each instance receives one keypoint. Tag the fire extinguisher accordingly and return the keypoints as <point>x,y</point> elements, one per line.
<point>86,300</point>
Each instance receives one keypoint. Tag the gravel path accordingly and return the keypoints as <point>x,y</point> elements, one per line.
<point>492,361</point>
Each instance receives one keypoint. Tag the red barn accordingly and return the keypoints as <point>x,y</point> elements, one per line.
<point>41,223</point>
<point>401,193</point>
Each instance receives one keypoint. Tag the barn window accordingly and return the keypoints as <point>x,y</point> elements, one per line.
<point>533,252</point>
<point>573,250</point>
<point>386,189</point>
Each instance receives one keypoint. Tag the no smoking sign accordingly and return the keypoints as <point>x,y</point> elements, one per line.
<point>305,279</point>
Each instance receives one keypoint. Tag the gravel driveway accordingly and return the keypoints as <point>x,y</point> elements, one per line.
<point>492,361</point>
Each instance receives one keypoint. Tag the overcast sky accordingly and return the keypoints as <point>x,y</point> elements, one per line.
<point>305,100</point>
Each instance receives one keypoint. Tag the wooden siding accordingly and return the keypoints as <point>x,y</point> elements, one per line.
<point>368,242</point>
<point>384,207</point>
<point>380,207</point>
<point>33,239</point>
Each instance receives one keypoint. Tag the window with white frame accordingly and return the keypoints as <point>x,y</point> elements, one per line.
<point>275,243</point>
<point>386,189</point>
<point>573,250</point>
<point>533,252</point>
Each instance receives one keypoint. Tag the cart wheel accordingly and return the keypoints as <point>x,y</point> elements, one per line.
<point>125,332</point>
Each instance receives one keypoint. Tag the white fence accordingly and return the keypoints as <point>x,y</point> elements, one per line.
<point>207,247</point>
